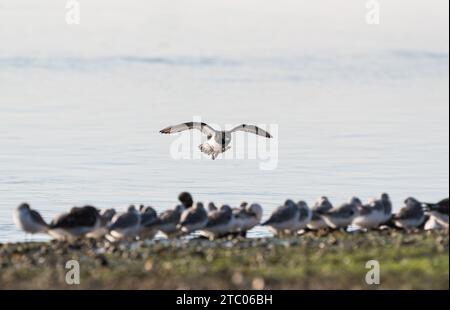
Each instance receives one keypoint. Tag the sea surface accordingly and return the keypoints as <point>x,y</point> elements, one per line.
<point>356,109</point>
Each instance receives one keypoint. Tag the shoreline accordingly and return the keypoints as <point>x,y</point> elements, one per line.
<point>336,260</point>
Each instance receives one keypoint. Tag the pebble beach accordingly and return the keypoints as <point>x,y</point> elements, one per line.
<point>315,260</point>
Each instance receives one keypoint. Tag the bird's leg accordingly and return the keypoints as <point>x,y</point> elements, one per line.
<point>213,156</point>
<point>204,149</point>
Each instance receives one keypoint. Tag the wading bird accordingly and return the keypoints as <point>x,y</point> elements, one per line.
<point>29,220</point>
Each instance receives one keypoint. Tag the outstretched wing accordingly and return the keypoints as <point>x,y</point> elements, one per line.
<point>204,128</point>
<point>252,129</point>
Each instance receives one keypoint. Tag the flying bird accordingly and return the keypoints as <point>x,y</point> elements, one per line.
<point>217,141</point>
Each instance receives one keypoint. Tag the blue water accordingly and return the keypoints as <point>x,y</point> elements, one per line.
<point>80,108</point>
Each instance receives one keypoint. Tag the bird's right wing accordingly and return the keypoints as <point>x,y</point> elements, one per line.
<point>217,218</point>
<point>252,129</point>
<point>203,127</point>
<point>169,216</point>
<point>36,216</point>
<point>282,213</point>
<point>124,220</point>
<point>407,213</point>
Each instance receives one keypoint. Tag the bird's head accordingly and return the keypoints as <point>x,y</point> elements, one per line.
<point>132,209</point>
<point>385,197</point>
<point>355,201</point>
<point>186,199</point>
<point>24,206</point>
<point>302,204</point>
<point>257,210</point>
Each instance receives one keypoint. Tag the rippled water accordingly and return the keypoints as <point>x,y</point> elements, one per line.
<point>80,110</point>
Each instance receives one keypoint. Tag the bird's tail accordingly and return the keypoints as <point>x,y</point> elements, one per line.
<point>427,207</point>
<point>268,222</point>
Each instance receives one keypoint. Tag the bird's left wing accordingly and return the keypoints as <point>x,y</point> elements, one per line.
<point>37,217</point>
<point>203,127</point>
<point>252,129</point>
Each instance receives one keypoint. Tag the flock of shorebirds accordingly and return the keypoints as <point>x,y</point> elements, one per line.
<point>211,222</point>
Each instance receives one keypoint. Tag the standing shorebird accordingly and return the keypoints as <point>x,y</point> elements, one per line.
<point>375,213</point>
<point>106,217</point>
<point>246,217</point>
<point>283,219</point>
<point>342,216</point>
<point>193,219</point>
<point>411,215</point>
<point>169,219</point>
<point>211,207</point>
<point>370,215</point>
<point>29,220</point>
<point>149,223</point>
<point>220,222</point>
<point>438,211</point>
<point>385,201</point>
<point>77,223</point>
<point>304,216</point>
<point>125,225</point>
<point>321,206</point>
<point>217,141</point>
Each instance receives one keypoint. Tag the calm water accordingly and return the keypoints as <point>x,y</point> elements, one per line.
<point>360,110</point>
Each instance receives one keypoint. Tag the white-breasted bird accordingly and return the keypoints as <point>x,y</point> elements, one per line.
<point>439,211</point>
<point>220,223</point>
<point>369,215</point>
<point>377,212</point>
<point>246,217</point>
<point>29,220</point>
<point>125,225</point>
<point>284,219</point>
<point>321,206</point>
<point>169,219</point>
<point>106,217</point>
<point>411,215</point>
<point>343,215</point>
<point>192,219</point>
